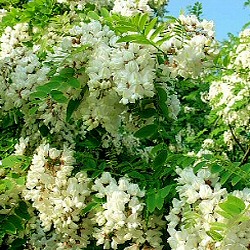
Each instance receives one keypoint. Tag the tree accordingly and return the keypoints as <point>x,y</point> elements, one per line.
<point>122,128</point>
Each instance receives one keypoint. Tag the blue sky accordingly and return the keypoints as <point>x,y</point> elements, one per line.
<point>228,15</point>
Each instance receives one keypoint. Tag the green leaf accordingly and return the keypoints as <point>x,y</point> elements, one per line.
<point>164,39</point>
<point>225,214</point>
<point>217,226</point>
<point>162,94</point>
<point>8,227</point>
<point>246,167</point>
<point>147,113</point>
<point>142,21</point>
<point>67,72</point>
<point>39,94</point>
<point>150,26</point>
<point>160,159</point>
<point>137,38</point>
<point>224,177</point>
<point>236,201</point>
<point>46,88</point>
<point>230,208</point>
<point>165,191</point>
<point>73,82</point>
<point>44,130</point>
<point>199,166</point>
<point>90,163</point>
<point>89,207</point>
<point>12,161</point>
<point>146,131</point>
<point>136,175</point>
<point>72,106</point>
<point>236,179</point>
<point>215,235</point>
<point>58,96</point>
<point>124,29</point>
<point>21,180</point>
<point>93,15</point>
<point>104,12</point>
<point>159,200</point>
<point>16,221</point>
<point>22,211</point>
<point>18,244</point>
<point>158,30</point>
<point>150,200</point>
<point>216,168</point>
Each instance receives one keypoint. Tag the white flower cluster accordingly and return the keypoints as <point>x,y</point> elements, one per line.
<point>2,14</point>
<point>192,214</point>
<point>229,96</point>
<point>192,51</point>
<point>129,70</point>
<point>121,219</point>
<point>123,7</point>
<point>58,198</point>
<point>242,54</point>
<point>80,4</point>
<point>20,69</point>
<point>118,74</point>
<point>113,74</point>
<point>131,7</point>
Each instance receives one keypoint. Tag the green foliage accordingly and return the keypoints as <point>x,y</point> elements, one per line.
<point>16,162</point>
<point>247,3</point>
<point>234,210</point>
<point>14,222</point>
<point>146,131</point>
<point>36,12</point>
<point>157,197</point>
<point>196,9</point>
<point>8,4</point>
<point>143,29</point>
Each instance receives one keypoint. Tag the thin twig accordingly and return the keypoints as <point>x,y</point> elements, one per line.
<point>245,157</point>
<point>235,139</point>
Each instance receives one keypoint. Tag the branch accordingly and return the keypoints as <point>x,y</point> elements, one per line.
<point>235,139</point>
<point>245,158</point>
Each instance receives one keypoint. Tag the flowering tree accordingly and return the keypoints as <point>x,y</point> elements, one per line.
<point>121,128</point>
